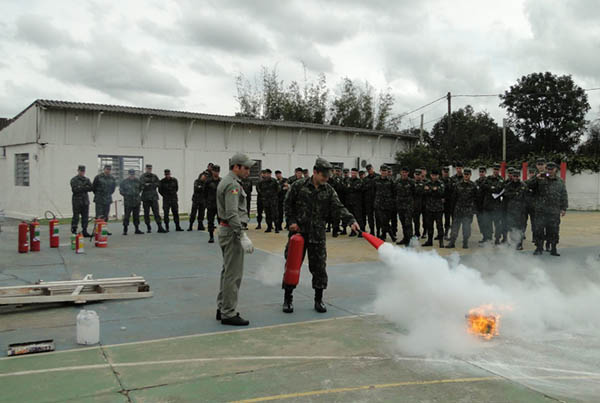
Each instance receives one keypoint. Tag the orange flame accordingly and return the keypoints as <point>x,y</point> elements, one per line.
<point>484,321</point>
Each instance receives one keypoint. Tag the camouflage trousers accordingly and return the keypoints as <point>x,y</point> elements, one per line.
<point>494,225</point>
<point>514,225</point>
<point>406,220</point>
<point>355,209</point>
<point>464,220</point>
<point>547,227</point>
<point>271,210</point>
<point>317,261</point>
<point>369,210</point>
<point>383,220</point>
<point>434,217</point>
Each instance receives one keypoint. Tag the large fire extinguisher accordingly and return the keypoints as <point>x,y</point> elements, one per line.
<point>101,236</point>
<point>54,234</point>
<point>23,232</point>
<point>293,263</point>
<point>79,243</point>
<point>34,236</point>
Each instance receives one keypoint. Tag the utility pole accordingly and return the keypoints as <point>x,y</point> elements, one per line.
<point>504,140</point>
<point>449,96</point>
<point>421,132</point>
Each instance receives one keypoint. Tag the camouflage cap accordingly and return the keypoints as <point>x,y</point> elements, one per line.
<point>404,169</point>
<point>299,169</point>
<point>459,164</point>
<point>81,168</point>
<point>532,169</point>
<point>109,167</point>
<point>369,166</point>
<point>551,165</point>
<point>354,169</point>
<point>241,159</point>
<point>321,164</point>
<point>446,169</point>
<point>540,161</point>
<point>482,169</point>
<point>496,166</point>
<point>167,171</point>
<point>131,172</point>
<point>435,171</point>
<point>305,171</point>
<point>216,168</point>
<point>268,171</point>
<point>384,168</point>
<point>346,170</point>
<point>277,172</point>
<point>149,166</point>
<point>467,171</point>
<point>418,171</point>
<point>361,172</point>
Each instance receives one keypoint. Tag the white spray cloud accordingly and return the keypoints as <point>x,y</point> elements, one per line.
<point>428,297</point>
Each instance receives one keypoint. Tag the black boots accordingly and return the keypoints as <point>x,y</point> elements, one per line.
<point>166,227</point>
<point>161,230</point>
<point>539,248</point>
<point>451,245</point>
<point>137,230</point>
<point>465,244</point>
<point>237,320</point>
<point>148,229</point>
<point>352,233</point>
<point>429,241</point>
<point>201,227</point>
<point>190,227</point>
<point>212,237</point>
<point>85,233</point>
<point>177,227</point>
<point>319,305</point>
<point>288,306</point>
<point>269,228</point>
<point>441,242</point>
<point>553,251</point>
<point>124,230</point>
<point>258,226</point>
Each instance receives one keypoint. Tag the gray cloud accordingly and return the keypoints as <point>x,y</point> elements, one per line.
<point>36,30</point>
<point>107,66</point>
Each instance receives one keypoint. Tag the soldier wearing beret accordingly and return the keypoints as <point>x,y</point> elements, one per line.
<point>131,189</point>
<point>80,186</point>
<point>308,205</point>
<point>168,188</point>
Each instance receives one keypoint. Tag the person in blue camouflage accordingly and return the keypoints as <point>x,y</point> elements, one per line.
<point>309,204</point>
<point>552,202</point>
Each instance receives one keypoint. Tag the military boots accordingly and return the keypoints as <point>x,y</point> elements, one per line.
<point>137,230</point>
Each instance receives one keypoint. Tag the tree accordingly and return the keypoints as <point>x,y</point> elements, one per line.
<point>547,111</point>
<point>420,156</point>
<point>474,135</point>
<point>591,147</point>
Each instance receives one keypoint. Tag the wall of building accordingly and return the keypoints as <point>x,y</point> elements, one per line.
<point>584,190</point>
<point>71,138</point>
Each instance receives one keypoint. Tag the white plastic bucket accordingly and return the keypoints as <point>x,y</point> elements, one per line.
<point>88,327</point>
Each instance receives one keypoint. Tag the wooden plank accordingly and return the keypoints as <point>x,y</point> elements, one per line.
<point>74,283</point>
<point>74,298</point>
<point>78,289</point>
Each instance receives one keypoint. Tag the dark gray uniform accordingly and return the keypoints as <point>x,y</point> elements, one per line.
<point>168,190</point>
<point>103,187</point>
<point>80,186</point>
<point>150,184</point>
<point>131,190</point>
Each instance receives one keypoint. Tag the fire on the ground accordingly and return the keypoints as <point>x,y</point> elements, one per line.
<point>484,321</point>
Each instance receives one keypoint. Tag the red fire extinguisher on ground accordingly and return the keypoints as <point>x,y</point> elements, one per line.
<point>79,243</point>
<point>101,236</point>
<point>34,236</point>
<point>54,235</point>
<point>293,263</point>
<point>23,232</point>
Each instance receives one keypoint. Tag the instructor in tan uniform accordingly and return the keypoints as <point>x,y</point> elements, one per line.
<point>233,217</point>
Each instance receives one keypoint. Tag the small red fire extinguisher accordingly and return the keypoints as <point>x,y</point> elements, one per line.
<point>23,244</point>
<point>34,236</point>
<point>101,237</point>
<point>54,235</point>
<point>79,243</point>
<point>293,263</point>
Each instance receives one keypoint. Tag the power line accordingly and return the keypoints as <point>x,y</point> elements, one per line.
<point>424,106</point>
<point>526,93</point>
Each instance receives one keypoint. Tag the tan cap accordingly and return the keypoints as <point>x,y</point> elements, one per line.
<point>242,159</point>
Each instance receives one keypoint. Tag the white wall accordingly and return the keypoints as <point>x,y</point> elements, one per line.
<point>584,190</point>
<point>72,138</point>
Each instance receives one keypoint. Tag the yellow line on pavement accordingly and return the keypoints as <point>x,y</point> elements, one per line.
<point>407,383</point>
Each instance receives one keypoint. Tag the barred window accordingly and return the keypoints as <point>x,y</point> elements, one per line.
<point>255,170</point>
<point>120,165</point>
<point>22,169</point>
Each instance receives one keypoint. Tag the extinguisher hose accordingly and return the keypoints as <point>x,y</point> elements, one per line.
<point>52,215</point>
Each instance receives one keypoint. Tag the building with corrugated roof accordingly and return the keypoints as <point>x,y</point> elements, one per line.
<point>42,146</point>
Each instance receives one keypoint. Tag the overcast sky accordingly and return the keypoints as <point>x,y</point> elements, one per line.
<point>185,55</point>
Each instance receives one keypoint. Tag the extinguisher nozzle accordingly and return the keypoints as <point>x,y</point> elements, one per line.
<point>373,240</point>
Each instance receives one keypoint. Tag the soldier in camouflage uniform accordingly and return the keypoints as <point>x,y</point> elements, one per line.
<point>247,186</point>
<point>168,188</point>
<point>448,186</point>
<point>150,184</point>
<point>551,203</point>
<point>131,189</point>
<point>259,200</point>
<point>530,204</point>
<point>418,202</point>
<point>354,198</point>
<point>198,202</point>
<point>482,218</point>
<point>369,197</point>
<point>424,196</point>
<point>337,182</point>
<point>465,193</point>
<point>268,189</point>
<point>80,186</point>
<point>384,202</point>
<point>492,205</point>
<point>434,207</point>
<point>308,205</point>
<point>514,200</point>
<point>297,175</point>
<point>283,188</point>
<point>404,190</point>
<point>103,187</point>
<point>210,195</point>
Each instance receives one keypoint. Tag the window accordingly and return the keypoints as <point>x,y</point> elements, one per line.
<point>22,169</point>
<point>120,165</point>
<point>255,171</point>
<point>337,165</point>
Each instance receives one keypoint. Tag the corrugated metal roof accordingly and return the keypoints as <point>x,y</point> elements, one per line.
<point>53,104</point>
